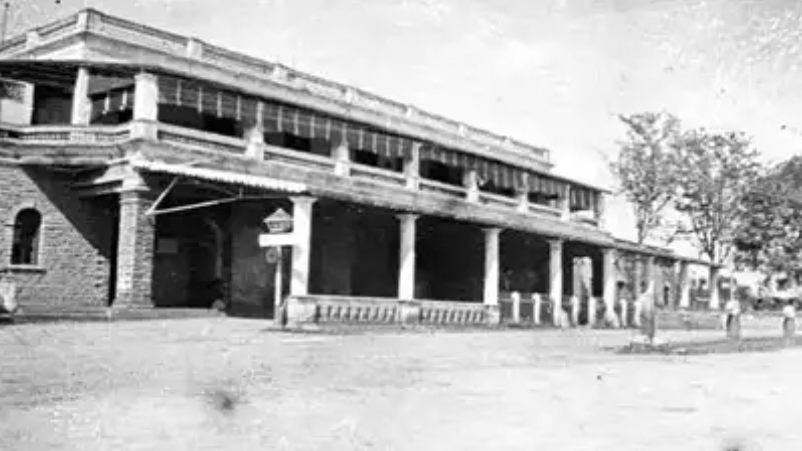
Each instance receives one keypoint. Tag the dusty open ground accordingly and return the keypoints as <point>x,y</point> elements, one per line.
<point>229,384</point>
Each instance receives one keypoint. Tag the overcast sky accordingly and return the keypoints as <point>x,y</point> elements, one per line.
<point>551,72</point>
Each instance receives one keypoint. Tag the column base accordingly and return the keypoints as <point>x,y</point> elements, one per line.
<point>493,315</point>
<point>409,313</point>
<point>301,311</point>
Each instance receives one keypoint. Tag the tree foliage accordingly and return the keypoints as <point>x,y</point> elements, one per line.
<point>644,168</point>
<point>715,172</point>
<point>769,239</point>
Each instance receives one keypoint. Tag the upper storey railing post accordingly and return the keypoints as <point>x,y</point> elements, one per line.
<point>146,106</point>
<point>81,107</point>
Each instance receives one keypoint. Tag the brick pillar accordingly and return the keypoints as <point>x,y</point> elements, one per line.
<point>134,252</point>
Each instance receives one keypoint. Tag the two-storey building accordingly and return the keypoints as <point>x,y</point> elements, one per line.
<point>138,167</point>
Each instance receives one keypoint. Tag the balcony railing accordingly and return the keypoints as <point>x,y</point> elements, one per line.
<point>56,135</point>
<point>64,134</point>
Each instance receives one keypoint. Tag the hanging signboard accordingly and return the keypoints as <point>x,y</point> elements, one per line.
<point>279,222</point>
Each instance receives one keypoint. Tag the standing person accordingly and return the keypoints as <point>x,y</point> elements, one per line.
<point>733,318</point>
<point>789,320</point>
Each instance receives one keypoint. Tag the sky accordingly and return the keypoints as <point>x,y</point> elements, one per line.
<point>554,73</point>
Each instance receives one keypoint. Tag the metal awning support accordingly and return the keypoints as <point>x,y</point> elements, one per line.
<point>208,203</point>
<point>151,211</point>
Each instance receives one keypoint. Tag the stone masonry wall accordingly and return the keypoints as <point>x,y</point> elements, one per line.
<point>75,241</point>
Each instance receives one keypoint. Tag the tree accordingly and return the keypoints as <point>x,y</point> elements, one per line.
<point>644,169</point>
<point>716,172</point>
<point>769,239</point>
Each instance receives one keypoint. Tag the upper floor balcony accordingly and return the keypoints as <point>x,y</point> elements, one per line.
<point>69,104</point>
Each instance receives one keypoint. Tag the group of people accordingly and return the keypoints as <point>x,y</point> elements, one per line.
<point>732,319</point>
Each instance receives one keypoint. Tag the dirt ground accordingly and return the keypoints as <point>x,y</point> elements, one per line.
<point>222,383</point>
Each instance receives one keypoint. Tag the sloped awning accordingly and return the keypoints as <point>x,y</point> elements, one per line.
<point>216,175</point>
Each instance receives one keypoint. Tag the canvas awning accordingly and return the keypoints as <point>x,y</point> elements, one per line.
<point>216,175</point>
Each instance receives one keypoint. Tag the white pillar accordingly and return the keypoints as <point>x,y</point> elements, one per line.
<point>715,301</point>
<point>556,278</point>
<point>81,107</point>
<point>537,305</point>
<point>406,264</point>
<point>342,158</point>
<point>255,136</point>
<point>302,228</point>
<point>491,266</point>
<point>684,285</point>
<point>412,167</point>
<point>565,204</point>
<point>471,183</point>
<point>146,97</point>
<point>610,286</point>
<point>601,210</point>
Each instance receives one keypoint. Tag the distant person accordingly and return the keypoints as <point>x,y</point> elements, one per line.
<point>732,321</point>
<point>789,320</point>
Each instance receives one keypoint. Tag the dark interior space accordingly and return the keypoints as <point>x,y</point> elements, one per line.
<point>316,146</point>
<point>439,172</point>
<point>373,159</point>
<point>524,263</point>
<point>189,117</point>
<point>52,105</point>
<point>354,250</point>
<point>450,260</point>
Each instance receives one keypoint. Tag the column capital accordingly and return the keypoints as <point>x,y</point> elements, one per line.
<point>492,230</point>
<point>145,76</point>
<point>556,242</point>
<point>303,200</point>
<point>407,216</point>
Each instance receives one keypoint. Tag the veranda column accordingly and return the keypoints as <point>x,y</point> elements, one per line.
<point>491,266</point>
<point>342,158</point>
<point>406,264</point>
<point>610,285</point>
<point>81,107</point>
<point>684,285</point>
<point>556,279</point>
<point>135,244</point>
<point>715,301</point>
<point>301,250</point>
<point>146,106</point>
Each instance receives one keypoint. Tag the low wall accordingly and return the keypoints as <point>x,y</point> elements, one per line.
<point>322,309</point>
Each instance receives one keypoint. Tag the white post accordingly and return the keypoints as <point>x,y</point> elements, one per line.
<point>81,108</point>
<point>610,286</point>
<point>491,266</point>
<point>575,310</point>
<point>684,285</point>
<point>516,307</point>
<point>406,264</point>
<point>538,303</point>
<point>624,313</point>
<point>278,293</point>
<point>556,279</point>
<point>592,308</point>
<point>302,228</point>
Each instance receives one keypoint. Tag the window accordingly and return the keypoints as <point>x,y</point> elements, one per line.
<point>27,228</point>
